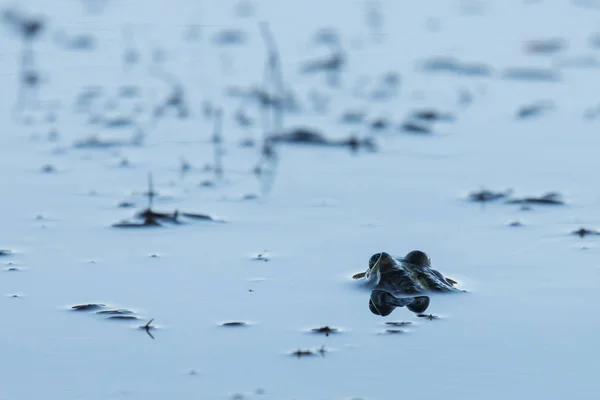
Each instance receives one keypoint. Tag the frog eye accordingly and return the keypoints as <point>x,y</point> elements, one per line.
<point>373,260</point>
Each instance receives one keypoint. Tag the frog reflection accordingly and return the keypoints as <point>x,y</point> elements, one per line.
<point>383,303</point>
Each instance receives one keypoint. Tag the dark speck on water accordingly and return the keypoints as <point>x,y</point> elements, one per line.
<point>352,117</point>
<point>380,123</point>
<point>531,74</point>
<point>88,307</point>
<point>394,331</point>
<point>455,66</point>
<point>229,37</point>
<point>308,352</point>
<point>583,232</point>
<point>261,257</point>
<point>532,110</point>
<point>430,317</point>
<point>234,324</point>
<point>411,127</point>
<point>47,169</point>
<point>115,312</point>
<point>551,198</point>
<point>197,216</point>
<point>123,317</point>
<point>303,353</point>
<point>325,330</point>
<point>488,195</point>
<point>395,323</point>
<point>431,115</point>
<point>120,122</point>
<point>126,224</point>
<point>5,252</point>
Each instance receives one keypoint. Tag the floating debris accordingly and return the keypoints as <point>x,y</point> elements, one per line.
<point>88,307</point>
<point>452,65</point>
<point>531,74</point>
<point>533,110</point>
<point>484,195</point>
<point>234,324</point>
<point>594,40</point>
<point>431,115</point>
<point>353,117</point>
<point>87,96</point>
<point>94,142</point>
<point>583,232</point>
<point>387,87</point>
<point>175,100</point>
<point>551,198</point>
<point>324,330</point>
<point>394,331</point>
<point>129,91</point>
<point>515,224</point>
<point>147,223</point>
<point>430,317</point>
<point>578,61</point>
<point>152,218</point>
<point>303,353</point>
<point>264,256</point>
<point>48,169</point>
<point>380,124</point>
<point>412,127</point>
<point>545,46</point>
<point>309,136</point>
<point>308,352</point>
<point>229,37</point>
<point>122,317</point>
<point>322,350</point>
<point>400,323</point>
<point>148,214</point>
<point>148,327</point>
<point>121,311</point>
<point>76,42</point>
<point>119,122</point>
<point>332,63</point>
<point>199,216</point>
<point>327,36</point>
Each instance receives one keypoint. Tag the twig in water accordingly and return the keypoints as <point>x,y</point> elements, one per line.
<point>150,193</point>
<point>147,328</point>
<point>273,74</point>
<point>218,145</point>
<point>266,167</point>
<point>29,28</point>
